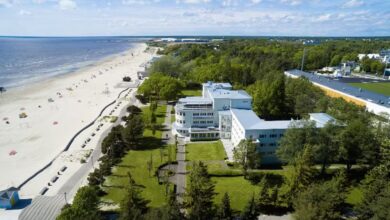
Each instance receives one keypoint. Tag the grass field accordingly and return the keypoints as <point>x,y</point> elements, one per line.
<point>381,88</point>
<point>135,162</point>
<point>239,189</point>
<point>205,151</point>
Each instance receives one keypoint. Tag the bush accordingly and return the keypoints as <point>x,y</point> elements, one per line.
<point>226,173</point>
<point>272,178</point>
<point>82,160</point>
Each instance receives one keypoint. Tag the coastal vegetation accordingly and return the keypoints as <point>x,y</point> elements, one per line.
<point>325,173</point>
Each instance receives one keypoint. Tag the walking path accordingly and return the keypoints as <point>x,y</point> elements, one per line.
<point>37,210</point>
<point>180,177</point>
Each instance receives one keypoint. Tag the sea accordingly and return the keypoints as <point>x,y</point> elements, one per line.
<point>26,60</point>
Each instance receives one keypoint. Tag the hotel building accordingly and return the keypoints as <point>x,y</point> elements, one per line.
<point>223,113</point>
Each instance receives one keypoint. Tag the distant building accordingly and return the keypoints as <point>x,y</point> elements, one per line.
<point>370,56</point>
<point>374,102</point>
<point>9,198</point>
<point>227,114</point>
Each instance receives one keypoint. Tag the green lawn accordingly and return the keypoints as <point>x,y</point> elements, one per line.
<point>239,190</point>
<point>354,196</point>
<point>191,92</point>
<point>205,151</point>
<point>135,162</point>
<point>381,88</point>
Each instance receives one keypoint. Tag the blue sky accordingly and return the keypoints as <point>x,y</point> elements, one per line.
<point>195,17</point>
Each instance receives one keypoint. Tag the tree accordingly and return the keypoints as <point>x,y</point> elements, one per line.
<point>300,175</point>
<point>246,154</point>
<point>133,206</point>
<point>85,206</point>
<point>250,210</point>
<point>301,133</point>
<point>376,193</point>
<point>200,193</point>
<point>224,211</point>
<point>132,109</point>
<point>357,144</point>
<point>269,97</point>
<point>263,199</point>
<point>173,208</point>
<point>133,132</point>
<point>321,201</point>
<point>326,150</point>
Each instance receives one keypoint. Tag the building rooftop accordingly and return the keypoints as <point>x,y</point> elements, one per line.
<point>195,100</point>
<point>376,98</point>
<point>247,118</point>
<point>320,118</point>
<point>231,94</point>
<point>215,85</point>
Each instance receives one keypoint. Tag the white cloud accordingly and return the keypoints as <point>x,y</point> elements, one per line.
<point>291,2</point>
<point>193,1</point>
<point>24,12</point>
<point>353,3</point>
<point>256,1</point>
<point>138,2</point>
<point>67,4</point>
<point>6,3</point>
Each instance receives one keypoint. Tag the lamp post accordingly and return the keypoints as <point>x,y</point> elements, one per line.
<point>66,202</point>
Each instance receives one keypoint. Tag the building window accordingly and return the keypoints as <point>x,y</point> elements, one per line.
<point>280,135</point>
<point>196,114</point>
<point>272,135</point>
<point>262,136</point>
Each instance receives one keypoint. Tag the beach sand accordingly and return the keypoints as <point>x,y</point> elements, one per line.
<point>56,109</point>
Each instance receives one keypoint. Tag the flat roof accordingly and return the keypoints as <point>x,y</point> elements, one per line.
<point>320,118</point>
<point>247,118</point>
<point>344,87</point>
<point>217,84</point>
<point>195,100</point>
<point>231,94</point>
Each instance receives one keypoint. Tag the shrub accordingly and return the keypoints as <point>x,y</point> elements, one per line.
<point>226,173</point>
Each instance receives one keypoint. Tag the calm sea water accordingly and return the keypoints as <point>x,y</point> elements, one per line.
<point>28,60</point>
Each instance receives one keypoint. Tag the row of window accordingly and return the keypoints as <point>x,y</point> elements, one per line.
<point>181,121</point>
<point>203,122</point>
<point>203,114</point>
<point>271,135</point>
<point>204,135</point>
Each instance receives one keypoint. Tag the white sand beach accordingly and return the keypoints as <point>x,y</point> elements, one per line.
<point>37,121</point>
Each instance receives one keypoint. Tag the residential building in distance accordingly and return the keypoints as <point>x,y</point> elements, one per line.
<point>223,113</point>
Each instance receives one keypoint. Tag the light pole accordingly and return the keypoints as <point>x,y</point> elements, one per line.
<point>66,202</point>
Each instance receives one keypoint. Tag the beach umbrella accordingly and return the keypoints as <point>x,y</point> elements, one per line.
<point>12,152</point>
<point>55,123</point>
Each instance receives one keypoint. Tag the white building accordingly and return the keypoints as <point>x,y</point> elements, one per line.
<point>227,114</point>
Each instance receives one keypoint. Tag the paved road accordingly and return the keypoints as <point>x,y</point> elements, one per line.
<point>72,185</point>
<point>180,177</point>
<point>48,207</point>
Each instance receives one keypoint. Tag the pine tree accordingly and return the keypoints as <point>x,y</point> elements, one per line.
<point>173,208</point>
<point>225,212</point>
<point>133,206</point>
<point>250,210</point>
<point>200,193</point>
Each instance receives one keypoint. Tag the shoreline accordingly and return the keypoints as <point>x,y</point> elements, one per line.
<point>43,135</point>
<point>34,85</point>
